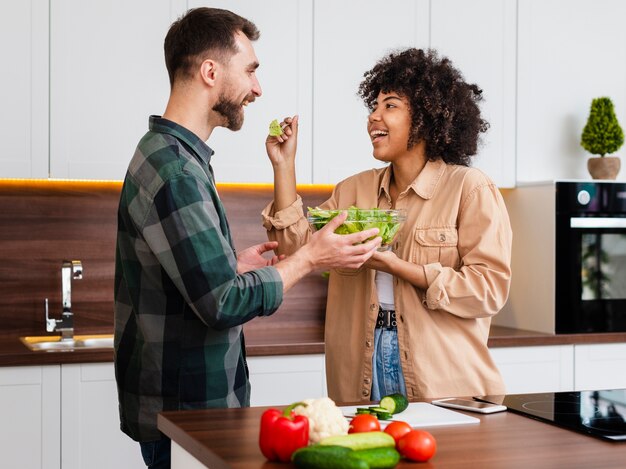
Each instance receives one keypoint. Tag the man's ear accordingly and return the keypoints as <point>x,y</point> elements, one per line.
<point>209,71</point>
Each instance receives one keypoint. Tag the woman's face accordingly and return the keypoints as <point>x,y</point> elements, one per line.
<point>389,126</point>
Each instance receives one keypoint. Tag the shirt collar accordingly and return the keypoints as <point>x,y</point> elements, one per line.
<point>165,126</point>
<point>423,185</point>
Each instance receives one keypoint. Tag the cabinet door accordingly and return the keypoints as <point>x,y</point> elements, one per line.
<point>600,366</point>
<point>91,435</point>
<point>568,54</point>
<point>349,38</point>
<point>282,380</point>
<point>107,75</point>
<point>479,37</point>
<point>30,416</point>
<point>24,90</point>
<point>547,368</point>
<point>285,53</point>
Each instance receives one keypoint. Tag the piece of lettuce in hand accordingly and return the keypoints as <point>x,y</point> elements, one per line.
<point>275,129</point>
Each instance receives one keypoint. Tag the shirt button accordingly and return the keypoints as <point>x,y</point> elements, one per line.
<point>372,307</point>
<point>442,237</point>
<point>365,392</point>
<point>367,381</point>
<point>368,343</point>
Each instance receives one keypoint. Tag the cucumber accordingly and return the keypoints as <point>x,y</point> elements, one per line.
<point>378,458</point>
<point>394,403</point>
<point>380,412</point>
<point>327,457</point>
<point>365,440</point>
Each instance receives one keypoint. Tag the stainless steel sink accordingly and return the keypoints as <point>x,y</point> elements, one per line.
<point>46,343</point>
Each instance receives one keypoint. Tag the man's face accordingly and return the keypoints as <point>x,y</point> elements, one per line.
<point>240,84</point>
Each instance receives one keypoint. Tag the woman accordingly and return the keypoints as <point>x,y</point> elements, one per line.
<point>449,271</point>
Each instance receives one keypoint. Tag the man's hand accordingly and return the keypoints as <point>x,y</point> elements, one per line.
<point>329,250</point>
<point>251,258</point>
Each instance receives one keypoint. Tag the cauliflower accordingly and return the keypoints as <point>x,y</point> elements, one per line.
<point>325,418</point>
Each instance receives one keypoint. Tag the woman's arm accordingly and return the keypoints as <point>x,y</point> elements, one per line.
<point>387,261</point>
<point>281,151</point>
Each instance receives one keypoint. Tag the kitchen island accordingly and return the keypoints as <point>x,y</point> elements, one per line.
<point>221,438</point>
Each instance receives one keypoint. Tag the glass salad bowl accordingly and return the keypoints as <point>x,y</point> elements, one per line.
<point>388,222</point>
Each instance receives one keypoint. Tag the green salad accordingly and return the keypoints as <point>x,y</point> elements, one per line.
<point>388,222</point>
<point>275,129</point>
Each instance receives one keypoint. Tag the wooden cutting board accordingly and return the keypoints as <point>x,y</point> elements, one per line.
<point>421,414</point>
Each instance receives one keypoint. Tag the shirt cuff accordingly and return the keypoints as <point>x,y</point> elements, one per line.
<point>272,288</point>
<point>436,295</point>
<point>283,218</point>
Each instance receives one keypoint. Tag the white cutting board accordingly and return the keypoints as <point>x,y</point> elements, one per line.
<point>421,414</point>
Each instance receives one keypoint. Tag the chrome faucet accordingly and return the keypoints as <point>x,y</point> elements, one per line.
<point>69,270</point>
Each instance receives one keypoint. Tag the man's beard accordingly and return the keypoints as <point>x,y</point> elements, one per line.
<point>231,111</point>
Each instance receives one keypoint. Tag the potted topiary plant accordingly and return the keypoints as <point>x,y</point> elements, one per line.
<point>602,135</point>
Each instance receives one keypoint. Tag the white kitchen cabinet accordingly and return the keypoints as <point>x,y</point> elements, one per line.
<point>480,40</point>
<point>24,90</point>
<point>546,368</point>
<point>30,413</point>
<point>600,366</point>
<point>107,75</point>
<point>90,425</point>
<point>285,52</point>
<point>349,38</point>
<point>284,379</point>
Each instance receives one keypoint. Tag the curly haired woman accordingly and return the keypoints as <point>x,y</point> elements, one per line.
<point>415,319</point>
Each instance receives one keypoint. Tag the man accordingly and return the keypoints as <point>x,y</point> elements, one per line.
<point>181,291</point>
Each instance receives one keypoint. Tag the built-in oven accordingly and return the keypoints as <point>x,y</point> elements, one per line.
<point>590,257</point>
<point>569,257</point>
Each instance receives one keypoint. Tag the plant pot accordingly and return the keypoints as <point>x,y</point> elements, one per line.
<point>603,167</point>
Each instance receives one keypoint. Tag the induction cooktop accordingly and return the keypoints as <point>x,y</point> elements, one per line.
<point>597,413</point>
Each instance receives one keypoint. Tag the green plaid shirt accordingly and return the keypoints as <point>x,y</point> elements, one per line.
<point>179,302</point>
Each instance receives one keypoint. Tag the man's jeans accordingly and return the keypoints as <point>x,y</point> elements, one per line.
<point>157,454</point>
<point>387,376</point>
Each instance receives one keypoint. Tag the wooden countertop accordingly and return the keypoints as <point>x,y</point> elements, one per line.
<point>289,341</point>
<point>229,438</point>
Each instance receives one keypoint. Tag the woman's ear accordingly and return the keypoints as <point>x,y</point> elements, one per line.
<point>209,71</point>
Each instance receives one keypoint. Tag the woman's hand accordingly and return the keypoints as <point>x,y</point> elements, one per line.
<point>282,149</point>
<point>382,260</point>
<point>251,258</point>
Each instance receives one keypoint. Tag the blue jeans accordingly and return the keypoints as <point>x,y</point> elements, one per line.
<point>157,454</point>
<point>387,376</point>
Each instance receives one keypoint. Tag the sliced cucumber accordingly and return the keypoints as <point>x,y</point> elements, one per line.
<point>394,403</point>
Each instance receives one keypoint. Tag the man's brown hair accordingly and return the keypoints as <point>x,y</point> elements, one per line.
<point>201,33</point>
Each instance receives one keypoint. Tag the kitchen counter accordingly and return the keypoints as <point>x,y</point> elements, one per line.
<point>289,341</point>
<point>220,438</point>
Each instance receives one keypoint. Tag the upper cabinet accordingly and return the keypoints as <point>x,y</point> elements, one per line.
<point>568,54</point>
<point>284,50</point>
<point>24,90</point>
<point>478,37</point>
<point>349,38</point>
<point>107,75</point>
<point>81,78</point>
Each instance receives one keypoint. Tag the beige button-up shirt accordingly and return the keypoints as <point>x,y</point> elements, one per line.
<point>458,231</point>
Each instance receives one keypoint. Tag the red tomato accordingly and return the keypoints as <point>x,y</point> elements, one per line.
<point>417,445</point>
<point>398,429</point>
<point>364,423</point>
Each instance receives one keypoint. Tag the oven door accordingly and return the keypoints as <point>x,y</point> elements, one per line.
<point>591,275</point>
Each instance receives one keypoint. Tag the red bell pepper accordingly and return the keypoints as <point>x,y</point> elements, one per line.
<point>282,433</point>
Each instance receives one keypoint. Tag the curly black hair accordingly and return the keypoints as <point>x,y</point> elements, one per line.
<point>444,108</point>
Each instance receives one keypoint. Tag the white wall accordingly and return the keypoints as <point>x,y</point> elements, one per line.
<point>569,52</point>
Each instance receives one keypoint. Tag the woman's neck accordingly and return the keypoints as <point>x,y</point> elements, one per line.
<point>406,169</point>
